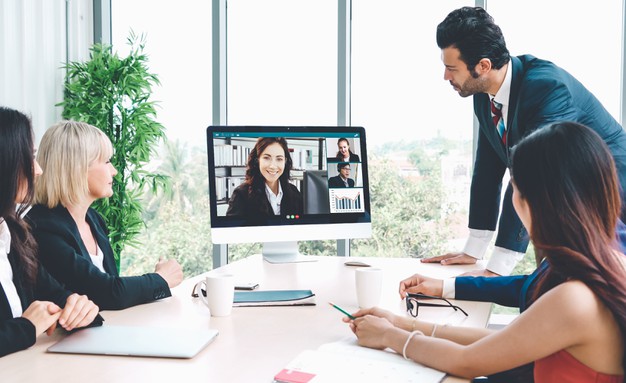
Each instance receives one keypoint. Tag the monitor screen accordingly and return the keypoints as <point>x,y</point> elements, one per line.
<point>282,184</point>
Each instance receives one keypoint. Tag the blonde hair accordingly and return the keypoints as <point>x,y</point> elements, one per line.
<point>65,153</point>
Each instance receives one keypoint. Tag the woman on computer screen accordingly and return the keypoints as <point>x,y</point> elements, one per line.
<point>344,154</point>
<point>266,190</point>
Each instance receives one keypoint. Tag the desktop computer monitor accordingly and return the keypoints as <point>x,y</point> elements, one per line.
<point>282,184</point>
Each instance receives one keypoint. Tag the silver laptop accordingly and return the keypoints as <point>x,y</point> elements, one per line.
<point>136,341</point>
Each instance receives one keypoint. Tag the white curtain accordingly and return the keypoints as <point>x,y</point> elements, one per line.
<point>36,38</point>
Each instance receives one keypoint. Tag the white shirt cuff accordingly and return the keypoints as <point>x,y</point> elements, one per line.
<point>503,260</point>
<point>477,243</point>
<point>449,289</point>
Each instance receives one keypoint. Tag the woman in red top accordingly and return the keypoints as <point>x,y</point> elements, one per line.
<point>566,193</point>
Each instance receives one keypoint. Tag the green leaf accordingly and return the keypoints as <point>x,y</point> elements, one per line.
<point>113,94</point>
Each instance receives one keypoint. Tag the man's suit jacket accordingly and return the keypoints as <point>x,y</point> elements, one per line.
<point>515,290</point>
<point>337,182</point>
<point>511,291</point>
<point>64,255</point>
<point>19,333</point>
<point>541,94</point>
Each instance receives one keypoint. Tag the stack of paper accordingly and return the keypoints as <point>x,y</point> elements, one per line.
<point>274,298</point>
<point>346,361</point>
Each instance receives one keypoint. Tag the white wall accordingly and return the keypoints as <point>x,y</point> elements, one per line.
<point>33,49</point>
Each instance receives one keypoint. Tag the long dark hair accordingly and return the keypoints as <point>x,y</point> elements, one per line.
<point>16,168</point>
<point>254,178</point>
<point>567,175</point>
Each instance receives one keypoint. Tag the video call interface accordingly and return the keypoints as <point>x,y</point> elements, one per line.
<point>326,174</point>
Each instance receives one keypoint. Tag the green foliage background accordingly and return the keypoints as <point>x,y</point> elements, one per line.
<point>113,94</point>
<point>406,216</point>
<point>177,218</point>
<point>410,217</point>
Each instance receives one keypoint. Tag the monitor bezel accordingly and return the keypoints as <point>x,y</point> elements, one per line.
<point>219,224</point>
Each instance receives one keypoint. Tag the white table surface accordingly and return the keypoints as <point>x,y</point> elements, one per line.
<point>254,342</point>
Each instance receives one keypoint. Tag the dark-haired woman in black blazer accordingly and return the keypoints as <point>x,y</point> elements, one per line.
<point>31,302</point>
<point>266,190</point>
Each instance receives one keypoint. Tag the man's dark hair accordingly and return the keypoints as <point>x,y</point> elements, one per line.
<point>341,165</point>
<point>473,32</point>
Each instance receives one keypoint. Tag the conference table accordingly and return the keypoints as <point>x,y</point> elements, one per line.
<point>254,343</point>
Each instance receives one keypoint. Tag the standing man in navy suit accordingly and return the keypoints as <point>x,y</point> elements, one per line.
<point>513,96</point>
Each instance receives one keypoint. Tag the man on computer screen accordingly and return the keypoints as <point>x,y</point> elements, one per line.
<point>342,180</point>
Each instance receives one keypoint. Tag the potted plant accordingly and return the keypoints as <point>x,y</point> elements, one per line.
<point>113,94</point>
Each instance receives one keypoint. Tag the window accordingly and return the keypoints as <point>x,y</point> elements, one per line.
<point>419,129</point>
<point>282,62</point>
<point>282,69</point>
<point>582,39</point>
<point>178,44</point>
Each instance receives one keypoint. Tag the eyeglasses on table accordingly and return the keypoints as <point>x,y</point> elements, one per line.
<point>415,301</point>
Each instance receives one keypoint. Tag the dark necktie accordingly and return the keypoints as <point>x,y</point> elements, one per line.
<point>498,121</point>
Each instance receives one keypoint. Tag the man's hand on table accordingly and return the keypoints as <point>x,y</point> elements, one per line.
<point>421,284</point>
<point>452,259</point>
<point>460,259</point>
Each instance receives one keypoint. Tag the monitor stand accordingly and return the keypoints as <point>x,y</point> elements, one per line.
<point>283,252</point>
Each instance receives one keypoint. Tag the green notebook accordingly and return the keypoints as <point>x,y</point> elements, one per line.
<point>274,298</point>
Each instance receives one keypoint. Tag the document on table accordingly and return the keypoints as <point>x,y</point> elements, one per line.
<point>346,361</point>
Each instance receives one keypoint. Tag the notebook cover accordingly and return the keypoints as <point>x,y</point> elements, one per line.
<point>293,376</point>
<point>274,298</point>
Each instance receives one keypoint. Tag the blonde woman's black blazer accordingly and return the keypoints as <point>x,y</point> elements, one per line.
<point>64,255</point>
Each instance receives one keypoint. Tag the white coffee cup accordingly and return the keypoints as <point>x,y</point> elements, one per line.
<point>220,291</point>
<point>369,284</point>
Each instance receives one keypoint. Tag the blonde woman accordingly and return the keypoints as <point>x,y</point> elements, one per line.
<point>72,237</point>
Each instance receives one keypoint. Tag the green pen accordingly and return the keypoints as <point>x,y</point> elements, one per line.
<point>342,310</point>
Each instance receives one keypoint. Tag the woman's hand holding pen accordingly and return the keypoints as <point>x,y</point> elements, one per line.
<point>371,331</point>
<point>375,327</point>
<point>370,324</point>
<point>375,311</point>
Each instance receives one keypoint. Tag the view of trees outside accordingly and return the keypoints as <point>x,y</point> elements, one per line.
<point>410,214</point>
<point>282,70</point>
<point>177,220</point>
<point>419,172</point>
